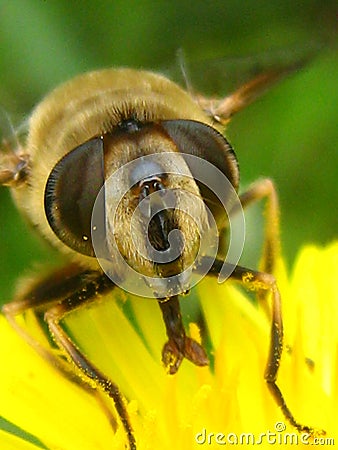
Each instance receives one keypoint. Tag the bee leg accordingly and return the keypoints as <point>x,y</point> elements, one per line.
<point>77,288</point>
<point>179,345</point>
<point>55,314</point>
<point>260,281</point>
<point>265,189</point>
<point>260,190</point>
<point>40,293</point>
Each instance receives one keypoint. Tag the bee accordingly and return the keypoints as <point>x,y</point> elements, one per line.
<point>66,179</point>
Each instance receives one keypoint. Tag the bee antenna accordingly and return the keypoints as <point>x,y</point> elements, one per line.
<point>182,63</point>
<point>8,132</point>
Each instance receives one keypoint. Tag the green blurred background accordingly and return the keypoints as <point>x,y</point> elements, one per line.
<point>289,134</point>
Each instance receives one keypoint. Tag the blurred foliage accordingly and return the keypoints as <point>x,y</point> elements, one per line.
<point>289,134</point>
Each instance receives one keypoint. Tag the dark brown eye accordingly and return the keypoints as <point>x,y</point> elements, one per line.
<point>199,139</point>
<point>70,194</point>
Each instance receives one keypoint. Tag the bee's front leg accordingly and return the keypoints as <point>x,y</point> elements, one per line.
<point>179,345</point>
<point>57,295</point>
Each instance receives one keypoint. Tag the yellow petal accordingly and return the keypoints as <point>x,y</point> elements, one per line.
<point>215,404</point>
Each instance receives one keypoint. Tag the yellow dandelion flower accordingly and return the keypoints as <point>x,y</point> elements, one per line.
<point>225,403</point>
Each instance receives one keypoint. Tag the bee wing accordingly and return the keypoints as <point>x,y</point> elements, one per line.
<point>13,160</point>
<point>230,84</point>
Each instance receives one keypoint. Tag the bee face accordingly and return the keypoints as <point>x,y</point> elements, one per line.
<point>88,129</point>
<point>152,208</point>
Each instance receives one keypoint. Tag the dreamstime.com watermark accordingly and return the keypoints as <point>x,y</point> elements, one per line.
<point>276,437</point>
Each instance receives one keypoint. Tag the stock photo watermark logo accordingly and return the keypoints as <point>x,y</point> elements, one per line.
<point>163,189</point>
<point>279,437</point>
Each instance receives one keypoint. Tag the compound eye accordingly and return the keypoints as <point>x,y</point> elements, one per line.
<point>196,138</point>
<point>70,194</point>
